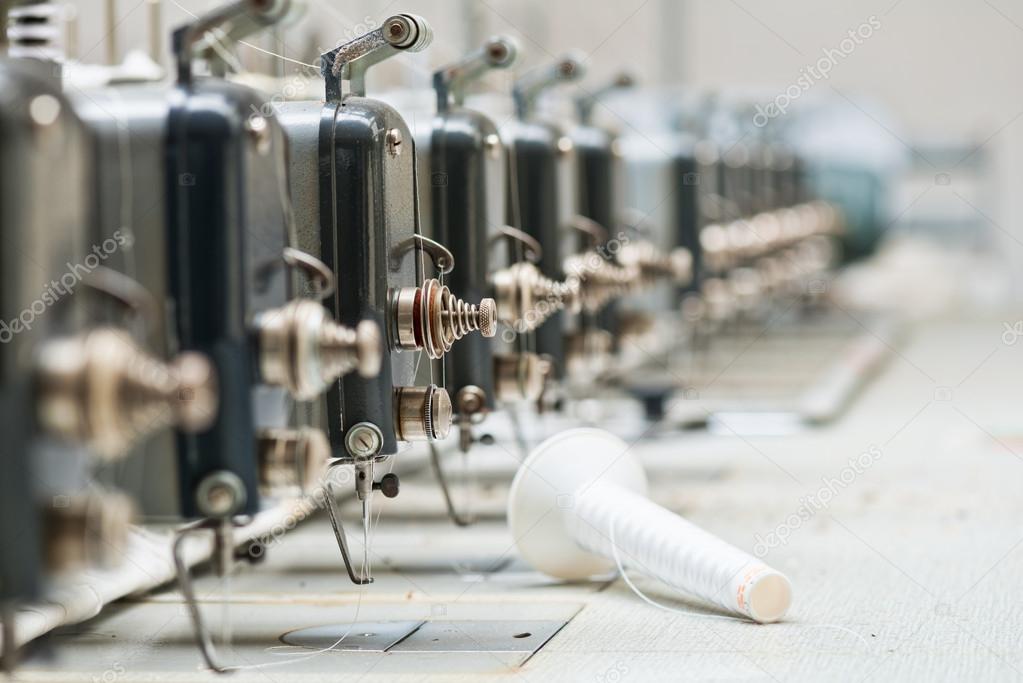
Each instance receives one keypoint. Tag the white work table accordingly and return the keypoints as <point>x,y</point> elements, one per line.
<point>909,573</point>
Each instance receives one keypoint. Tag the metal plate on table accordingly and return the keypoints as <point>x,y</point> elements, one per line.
<point>522,637</point>
<point>363,636</point>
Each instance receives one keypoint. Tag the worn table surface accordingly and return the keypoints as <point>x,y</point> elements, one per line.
<point>906,572</point>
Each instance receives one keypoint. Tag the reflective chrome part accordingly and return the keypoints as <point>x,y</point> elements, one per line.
<point>430,317</point>
<point>653,264</point>
<point>364,441</point>
<point>520,376</point>
<point>349,63</point>
<point>422,413</point>
<point>101,389</point>
<point>220,495</point>
<point>470,400</point>
<point>525,297</point>
<point>303,349</point>
<point>498,52</point>
<point>86,530</point>
<point>600,279</point>
<point>529,87</point>
<point>291,460</point>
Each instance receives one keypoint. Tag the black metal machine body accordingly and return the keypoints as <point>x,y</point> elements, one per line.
<point>43,148</point>
<point>542,191</point>
<point>601,196</point>
<point>224,241</point>
<point>467,173</point>
<point>353,165</point>
<point>368,222</point>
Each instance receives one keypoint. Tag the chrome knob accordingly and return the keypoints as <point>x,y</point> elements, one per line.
<point>519,376</point>
<point>303,349</point>
<point>102,390</point>
<point>291,459</point>
<point>526,297</point>
<point>87,529</point>
<point>422,413</point>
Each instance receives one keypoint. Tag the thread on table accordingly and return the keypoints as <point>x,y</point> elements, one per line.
<point>332,646</point>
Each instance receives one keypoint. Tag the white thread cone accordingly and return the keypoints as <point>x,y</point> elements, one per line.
<point>582,487</point>
<point>666,546</point>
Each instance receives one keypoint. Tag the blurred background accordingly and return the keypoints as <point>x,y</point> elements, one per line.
<point>927,92</point>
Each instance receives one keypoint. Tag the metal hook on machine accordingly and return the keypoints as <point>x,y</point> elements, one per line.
<point>443,259</point>
<point>316,269</point>
<point>530,86</point>
<point>499,52</point>
<point>586,104</point>
<point>461,520</point>
<point>229,23</point>
<point>221,531</point>
<point>347,64</point>
<point>593,230</point>
<point>127,292</point>
<point>533,250</point>
<point>342,543</point>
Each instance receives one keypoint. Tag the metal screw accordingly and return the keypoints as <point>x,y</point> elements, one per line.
<point>397,31</point>
<point>44,110</point>
<point>364,440</point>
<point>492,145</point>
<point>471,400</point>
<point>259,130</point>
<point>393,142</point>
<point>498,51</point>
<point>220,494</point>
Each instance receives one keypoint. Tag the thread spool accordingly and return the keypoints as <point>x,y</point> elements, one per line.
<point>579,489</point>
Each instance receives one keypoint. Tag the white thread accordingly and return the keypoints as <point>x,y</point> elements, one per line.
<point>184,9</point>
<point>677,552</point>
<point>642,596</point>
<point>315,653</point>
<point>696,615</point>
<point>351,625</point>
<point>274,54</point>
<point>247,44</point>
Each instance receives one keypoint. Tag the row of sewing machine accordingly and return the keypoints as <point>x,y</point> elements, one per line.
<point>213,298</point>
